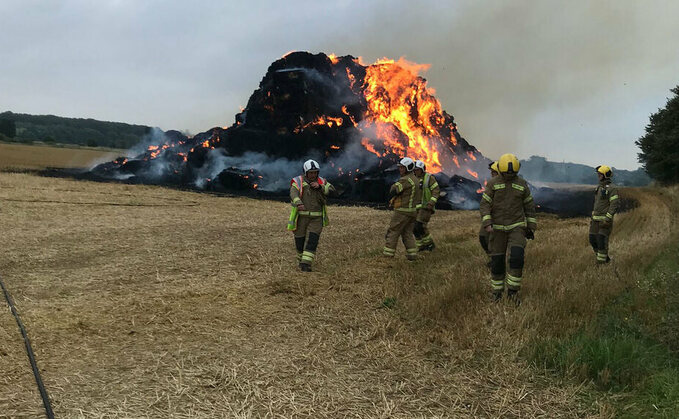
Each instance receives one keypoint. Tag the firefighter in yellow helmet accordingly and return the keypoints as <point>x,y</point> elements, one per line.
<point>425,209</point>
<point>508,214</point>
<point>483,234</point>
<point>606,202</point>
<point>405,195</point>
<point>309,214</point>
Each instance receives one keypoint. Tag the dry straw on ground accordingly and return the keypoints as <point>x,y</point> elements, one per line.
<point>177,304</point>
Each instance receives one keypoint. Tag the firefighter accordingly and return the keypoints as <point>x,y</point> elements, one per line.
<point>605,206</point>
<point>309,213</point>
<point>483,234</point>
<point>405,196</point>
<point>430,194</point>
<point>508,215</point>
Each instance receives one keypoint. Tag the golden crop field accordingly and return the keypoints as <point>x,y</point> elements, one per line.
<point>24,156</point>
<point>150,302</point>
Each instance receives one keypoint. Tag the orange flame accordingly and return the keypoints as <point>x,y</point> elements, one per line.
<point>473,173</point>
<point>333,58</point>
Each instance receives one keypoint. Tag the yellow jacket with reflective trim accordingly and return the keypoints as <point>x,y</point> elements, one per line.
<point>313,199</point>
<point>408,193</point>
<point>430,189</point>
<point>507,203</point>
<point>606,201</point>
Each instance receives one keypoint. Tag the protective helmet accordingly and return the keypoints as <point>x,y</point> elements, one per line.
<point>408,163</point>
<point>419,164</point>
<point>605,170</point>
<point>311,165</point>
<point>493,166</point>
<point>508,163</point>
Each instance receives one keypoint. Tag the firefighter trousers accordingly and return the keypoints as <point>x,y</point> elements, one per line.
<point>499,244</point>
<point>421,229</point>
<point>402,225</point>
<point>307,234</point>
<point>599,233</point>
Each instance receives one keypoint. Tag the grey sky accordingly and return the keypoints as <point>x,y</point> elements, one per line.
<point>570,80</point>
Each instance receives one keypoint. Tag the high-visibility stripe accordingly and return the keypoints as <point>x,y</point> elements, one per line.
<point>609,215</point>
<point>388,252</point>
<point>498,285</point>
<point>412,192</point>
<point>514,281</point>
<point>531,220</point>
<point>399,187</point>
<point>434,185</point>
<point>487,198</point>
<point>518,187</point>
<point>599,218</point>
<point>296,201</point>
<point>307,256</point>
<point>311,213</point>
<point>486,217</point>
<point>499,186</point>
<point>406,209</point>
<point>613,198</point>
<point>528,199</point>
<point>433,199</point>
<point>427,239</point>
<point>412,251</point>
<point>299,256</point>
<point>508,227</point>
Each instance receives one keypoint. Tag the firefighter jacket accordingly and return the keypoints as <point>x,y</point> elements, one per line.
<point>507,203</point>
<point>407,194</point>
<point>606,201</point>
<point>314,200</point>
<point>430,190</point>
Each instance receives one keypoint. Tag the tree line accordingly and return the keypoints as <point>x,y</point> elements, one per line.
<point>27,128</point>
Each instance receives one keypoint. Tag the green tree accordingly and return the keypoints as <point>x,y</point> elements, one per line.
<point>8,127</point>
<point>660,145</point>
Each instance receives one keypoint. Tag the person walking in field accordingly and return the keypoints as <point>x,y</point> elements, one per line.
<point>309,215</point>
<point>606,202</point>
<point>405,195</point>
<point>483,234</point>
<point>508,215</point>
<point>430,194</point>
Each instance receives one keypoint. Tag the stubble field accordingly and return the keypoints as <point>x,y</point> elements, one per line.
<point>149,302</point>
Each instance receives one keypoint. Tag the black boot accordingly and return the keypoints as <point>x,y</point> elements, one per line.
<point>513,296</point>
<point>496,296</point>
<point>305,267</point>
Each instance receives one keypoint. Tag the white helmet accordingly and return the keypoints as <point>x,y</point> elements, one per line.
<point>311,165</point>
<point>419,164</point>
<point>408,163</point>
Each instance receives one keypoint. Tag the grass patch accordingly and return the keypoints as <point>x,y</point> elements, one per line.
<point>629,352</point>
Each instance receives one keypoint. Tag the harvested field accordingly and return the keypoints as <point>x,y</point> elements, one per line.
<point>23,156</point>
<point>148,302</point>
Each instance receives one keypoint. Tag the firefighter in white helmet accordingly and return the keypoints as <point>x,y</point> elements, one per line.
<point>425,208</point>
<point>309,215</point>
<point>606,202</point>
<point>405,195</point>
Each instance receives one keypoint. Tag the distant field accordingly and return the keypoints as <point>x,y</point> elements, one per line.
<point>148,302</point>
<point>22,156</point>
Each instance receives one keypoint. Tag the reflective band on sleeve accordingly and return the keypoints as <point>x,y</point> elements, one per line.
<point>528,199</point>
<point>518,187</point>
<point>531,220</point>
<point>599,218</point>
<point>613,198</point>
<point>434,185</point>
<point>296,201</point>
<point>295,185</point>
<point>499,186</point>
<point>486,217</point>
<point>399,187</point>
<point>433,199</point>
<point>487,198</point>
<point>609,215</point>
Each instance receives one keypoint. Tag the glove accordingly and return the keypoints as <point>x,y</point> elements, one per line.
<point>530,235</point>
<point>430,206</point>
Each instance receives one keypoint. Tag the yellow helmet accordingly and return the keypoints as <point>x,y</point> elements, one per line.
<point>605,170</point>
<point>508,163</point>
<point>493,167</point>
